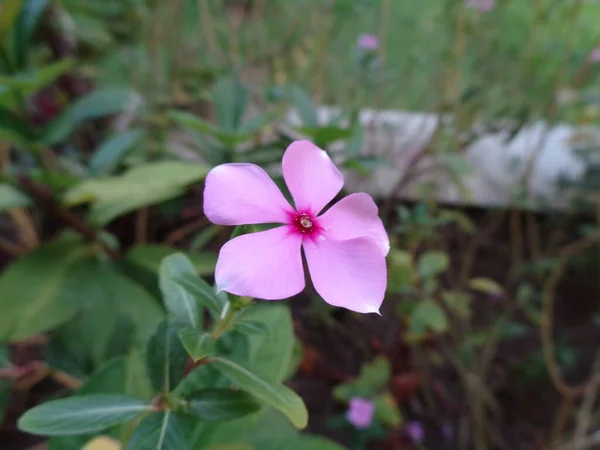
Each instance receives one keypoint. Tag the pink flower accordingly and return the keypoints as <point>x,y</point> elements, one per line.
<point>481,5</point>
<point>368,41</point>
<point>595,55</point>
<point>360,412</point>
<point>345,247</point>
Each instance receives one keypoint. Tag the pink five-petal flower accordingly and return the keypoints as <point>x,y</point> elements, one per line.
<point>345,247</point>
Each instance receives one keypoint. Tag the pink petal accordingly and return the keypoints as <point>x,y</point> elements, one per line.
<point>239,194</point>
<point>266,265</point>
<point>355,216</point>
<point>351,274</point>
<point>311,176</point>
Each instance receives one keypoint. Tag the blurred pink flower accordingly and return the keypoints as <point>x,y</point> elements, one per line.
<point>595,55</point>
<point>481,5</point>
<point>368,41</point>
<point>415,431</point>
<point>360,412</point>
<point>345,247</point>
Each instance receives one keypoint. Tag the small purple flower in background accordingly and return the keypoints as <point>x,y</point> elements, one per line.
<point>345,247</point>
<point>447,431</point>
<point>595,55</point>
<point>360,412</point>
<point>415,431</point>
<point>368,41</point>
<point>481,5</point>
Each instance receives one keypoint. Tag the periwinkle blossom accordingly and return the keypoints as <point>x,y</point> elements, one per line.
<point>481,5</point>
<point>368,41</point>
<point>415,431</point>
<point>344,247</point>
<point>595,55</point>
<point>360,413</point>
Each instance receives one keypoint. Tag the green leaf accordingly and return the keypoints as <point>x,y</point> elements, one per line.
<point>323,136</point>
<point>230,98</point>
<point>9,10</point>
<point>428,315</point>
<point>79,415</point>
<point>270,392</point>
<point>166,358</point>
<point>150,256</point>
<point>458,302</point>
<point>386,410</point>
<point>30,82</point>
<point>431,264</point>
<point>143,185</point>
<point>212,405</point>
<point>14,129</point>
<point>401,272</point>
<point>159,431</point>
<point>201,290</point>
<point>252,327</point>
<point>60,270</point>
<point>178,301</point>
<point>11,197</point>
<point>198,343</point>
<point>485,285</point>
<point>111,153</point>
<point>99,103</point>
<point>373,377</point>
<point>27,22</point>
<point>304,105</point>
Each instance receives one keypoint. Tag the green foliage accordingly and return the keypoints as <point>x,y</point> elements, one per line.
<point>141,186</point>
<point>78,415</point>
<point>273,394</point>
<point>197,343</point>
<point>113,151</point>
<point>179,302</point>
<point>166,357</point>
<point>431,264</point>
<point>64,270</point>
<point>215,405</point>
<point>11,197</point>
<point>427,316</point>
<point>159,431</point>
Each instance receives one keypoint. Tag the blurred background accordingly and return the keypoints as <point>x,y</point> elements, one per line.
<point>474,124</point>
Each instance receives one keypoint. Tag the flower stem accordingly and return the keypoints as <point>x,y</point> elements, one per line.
<point>228,315</point>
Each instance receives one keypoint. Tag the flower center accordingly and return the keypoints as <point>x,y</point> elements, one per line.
<point>304,223</point>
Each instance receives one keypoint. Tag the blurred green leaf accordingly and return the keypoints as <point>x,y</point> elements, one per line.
<point>201,290</point>
<point>111,153</point>
<point>8,13</point>
<point>31,81</point>
<point>149,257</point>
<point>485,285</point>
<point>386,410</point>
<point>252,327</point>
<point>25,27</point>
<point>374,376</point>
<point>458,302</point>
<point>141,186</point>
<point>431,264</point>
<point>197,343</point>
<point>323,136</point>
<point>79,415</point>
<point>230,98</point>
<point>178,301</point>
<point>11,197</point>
<point>269,353</point>
<point>213,405</point>
<point>268,391</point>
<point>427,316</point>
<point>166,357</point>
<point>401,273</point>
<point>304,105</point>
<point>14,129</point>
<point>44,289</point>
<point>99,103</point>
<point>159,431</point>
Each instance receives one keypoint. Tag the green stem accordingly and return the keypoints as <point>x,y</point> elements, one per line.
<point>228,315</point>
